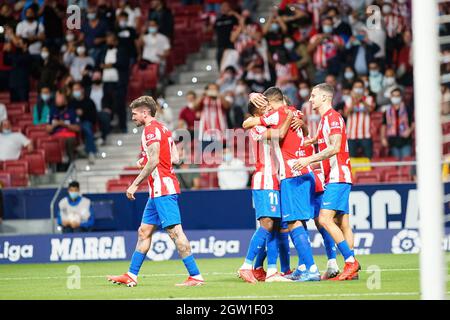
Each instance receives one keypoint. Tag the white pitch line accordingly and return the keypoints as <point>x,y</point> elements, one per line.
<point>329,295</point>
<point>168,275</point>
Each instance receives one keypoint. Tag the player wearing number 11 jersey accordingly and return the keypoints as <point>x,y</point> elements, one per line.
<point>266,197</point>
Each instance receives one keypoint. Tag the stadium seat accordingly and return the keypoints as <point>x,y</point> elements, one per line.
<point>5,179</point>
<point>52,147</point>
<point>5,97</point>
<point>116,185</point>
<point>396,177</point>
<point>19,172</point>
<point>364,177</point>
<point>36,162</point>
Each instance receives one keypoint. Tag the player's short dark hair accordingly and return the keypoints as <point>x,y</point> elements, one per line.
<point>274,93</point>
<point>252,108</point>
<point>74,184</point>
<point>325,88</point>
<point>146,102</point>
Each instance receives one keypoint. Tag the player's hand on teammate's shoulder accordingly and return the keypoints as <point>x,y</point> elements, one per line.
<point>131,191</point>
<point>296,123</point>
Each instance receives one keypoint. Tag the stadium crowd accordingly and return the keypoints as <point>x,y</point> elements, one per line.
<point>77,82</point>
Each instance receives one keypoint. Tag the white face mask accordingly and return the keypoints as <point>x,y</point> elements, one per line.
<point>359,91</point>
<point>81,50</point>
<point>389,81</point>
<point>304,93</point>
<point>70,37</point>
<point>6,131</point>
<point>396,100</point>
<point>44,55</point>
<point>349,75</point>
<point>387,9</point>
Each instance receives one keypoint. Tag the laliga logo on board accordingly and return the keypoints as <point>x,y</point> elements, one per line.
<point>162,248</point>
<point>406,241</point>
<point>16,252</point>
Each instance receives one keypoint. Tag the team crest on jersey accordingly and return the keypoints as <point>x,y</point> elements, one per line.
<point>335,124</point>
<point>273,208</point>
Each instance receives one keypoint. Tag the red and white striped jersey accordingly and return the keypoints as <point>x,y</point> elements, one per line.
<point>162,181</point>
<point>312,118</point>
<point>212,119</point>
<point>358,121</point>
<point>326,50</point>
<point>291,147</point>
<point>266,173</point>
<point>336,169</point>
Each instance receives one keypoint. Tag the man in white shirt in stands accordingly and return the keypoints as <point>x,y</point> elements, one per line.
<point>232,173</point>
<point>11,143</point>
<point>31,30</point>
<point>3,112</point>
<point>155,46</point>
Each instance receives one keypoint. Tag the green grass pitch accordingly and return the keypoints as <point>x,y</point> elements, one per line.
<point>399,279</point>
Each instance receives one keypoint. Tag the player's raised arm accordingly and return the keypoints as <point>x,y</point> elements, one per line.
<point>332,149</point>
<point>153,161</point>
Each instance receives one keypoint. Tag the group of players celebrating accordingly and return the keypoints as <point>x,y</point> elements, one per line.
<point>293,184</point>
<point>289,188</point>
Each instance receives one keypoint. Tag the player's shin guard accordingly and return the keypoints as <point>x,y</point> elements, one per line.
<point>256,243</point>
<point>136,262</point>
<point>301,242</point>
<point>284,251</point>
<point>260,257</point>
<point>330,246</point>
<point>272,251</point>
<point>191,266</point>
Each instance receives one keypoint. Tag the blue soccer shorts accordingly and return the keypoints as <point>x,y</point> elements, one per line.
<point>266,203</point>
<point>317,203</point>
<point>162,211</point>
<point>336,197</point>
<point>297,198</point>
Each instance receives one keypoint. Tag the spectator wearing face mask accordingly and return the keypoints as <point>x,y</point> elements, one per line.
<point>255,78</point>
<point>41,110</point>
<point>164,114</point>
<point>64,123</point>
<point>74,211</point>
<point>223,26</point>
<point>50,70</point>
<point>87,113</point>
<point>349,76</point>
<point>312,117</point>
<point>155,47</point>
<point>188,180</point>
<point>389,84</point>
<point>163,16</point>
<point>19,76</point>
<point>32,31</point>
<point>357,111</point>
<point>232,173</point>
<point>127,37</point>
<point>404,61</point>
<point>375,78</point>
<point>11,143</point>
<point>104,111</point>
<point>394,25</point>
<point>93,33</point>
<point>398,125</point>
<point>361,51</point>
<point>274,30</point>
<point>133,13</point>
<point>213,108</point>
<point>325,47</point>
<point>340,27</point>
<point>188,114</point>
<point>77,60</point>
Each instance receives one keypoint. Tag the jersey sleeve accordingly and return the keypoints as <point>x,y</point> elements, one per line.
<point>336,125</point>
<point>152,135</point>
<point>257,133</point>
<point>270,119</point>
